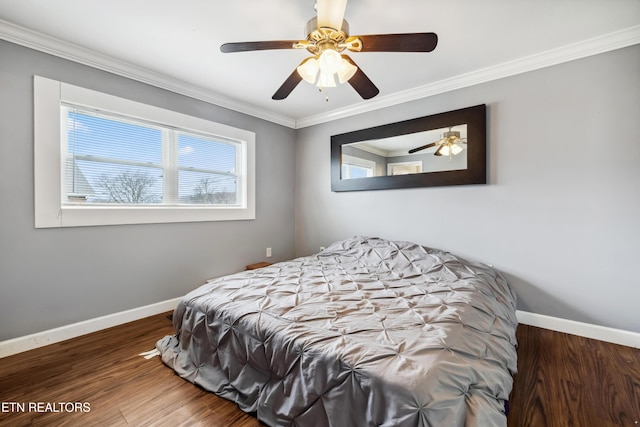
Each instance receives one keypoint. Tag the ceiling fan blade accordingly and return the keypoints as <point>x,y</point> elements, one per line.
<point>361,83</point>
<point>288,86</point>
<point>263,45</point>
<point>409,42</point>
<point>438,151</point>
<point>424,147</point>
<point>331,13</point>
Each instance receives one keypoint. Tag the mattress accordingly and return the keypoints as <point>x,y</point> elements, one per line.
<point>368,332</point>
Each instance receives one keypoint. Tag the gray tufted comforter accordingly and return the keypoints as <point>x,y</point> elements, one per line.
<point>367,332</point>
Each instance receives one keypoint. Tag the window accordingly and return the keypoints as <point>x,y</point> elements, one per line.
<point>113,160</point>
<point>355,167</point>
<point>105,160</point>
<point>404,168</point>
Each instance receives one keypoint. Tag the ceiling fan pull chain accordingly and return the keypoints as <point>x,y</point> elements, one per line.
<point>326,97</point>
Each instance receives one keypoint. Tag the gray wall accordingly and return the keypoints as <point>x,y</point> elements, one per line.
<point>560,216</point>
<point>54,277</point>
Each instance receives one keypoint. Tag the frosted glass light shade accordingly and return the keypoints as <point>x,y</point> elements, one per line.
<point>450,149</point>
<point>330,61</point>
<point>326,80</point>
<point>308,70</point>
<point>346,71</point>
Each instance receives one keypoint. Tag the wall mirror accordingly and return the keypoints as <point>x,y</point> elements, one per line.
<point>442,149</point>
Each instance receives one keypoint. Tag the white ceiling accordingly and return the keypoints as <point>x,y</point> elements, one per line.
<point>175,44</point>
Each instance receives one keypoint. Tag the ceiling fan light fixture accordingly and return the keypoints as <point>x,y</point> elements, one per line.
<point>323,71</point>
<point>448,149</point>
<point>455,149</point>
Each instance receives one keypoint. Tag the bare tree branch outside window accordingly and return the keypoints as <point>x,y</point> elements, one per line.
<point>207,192</point>
<point>131,187</point>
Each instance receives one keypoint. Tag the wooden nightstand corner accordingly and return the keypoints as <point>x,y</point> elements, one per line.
<point>258,265</point>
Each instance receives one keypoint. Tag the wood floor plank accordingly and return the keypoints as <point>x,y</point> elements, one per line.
<point>566,380</point>
<point>562,380</point>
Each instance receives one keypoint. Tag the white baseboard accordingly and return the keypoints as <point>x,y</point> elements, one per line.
<point>587,330</point>
<point>40,339</point>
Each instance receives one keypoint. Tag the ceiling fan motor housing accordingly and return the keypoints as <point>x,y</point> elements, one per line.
<point>324,38</point>
<point>451,134</point>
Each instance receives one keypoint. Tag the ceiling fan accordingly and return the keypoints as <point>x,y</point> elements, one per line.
<point>449,144</point>
<point>327,37</point>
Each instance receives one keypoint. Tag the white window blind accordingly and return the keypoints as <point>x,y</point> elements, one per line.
<point>207,170</point>
<point>111,159</point>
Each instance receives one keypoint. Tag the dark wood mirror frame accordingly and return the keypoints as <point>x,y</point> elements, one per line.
<point>476,172</point>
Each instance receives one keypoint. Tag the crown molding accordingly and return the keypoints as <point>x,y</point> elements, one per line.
<point>608,42</point>
<point>43,43</point>
<point>37,41</point>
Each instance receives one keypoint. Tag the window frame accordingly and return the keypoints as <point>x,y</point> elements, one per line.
<point>367,164</point>
<point>49,97</point>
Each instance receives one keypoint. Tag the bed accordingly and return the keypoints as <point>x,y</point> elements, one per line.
<point>367,332</point>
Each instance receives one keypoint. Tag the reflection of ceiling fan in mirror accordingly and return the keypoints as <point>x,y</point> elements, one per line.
<point>449,145</point>
<point>327,37</point>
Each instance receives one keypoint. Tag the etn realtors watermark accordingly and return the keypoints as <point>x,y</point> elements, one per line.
<point>63,407</point>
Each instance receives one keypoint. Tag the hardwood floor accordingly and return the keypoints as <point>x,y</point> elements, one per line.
<point>562,381</point>
<point>566,380</point>
<point>122,388</point>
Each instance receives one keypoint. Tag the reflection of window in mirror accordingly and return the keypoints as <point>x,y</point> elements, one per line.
<point>355,167</point>
<point>404,168</point>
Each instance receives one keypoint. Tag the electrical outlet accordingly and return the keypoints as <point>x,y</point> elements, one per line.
<point>268,252</point>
